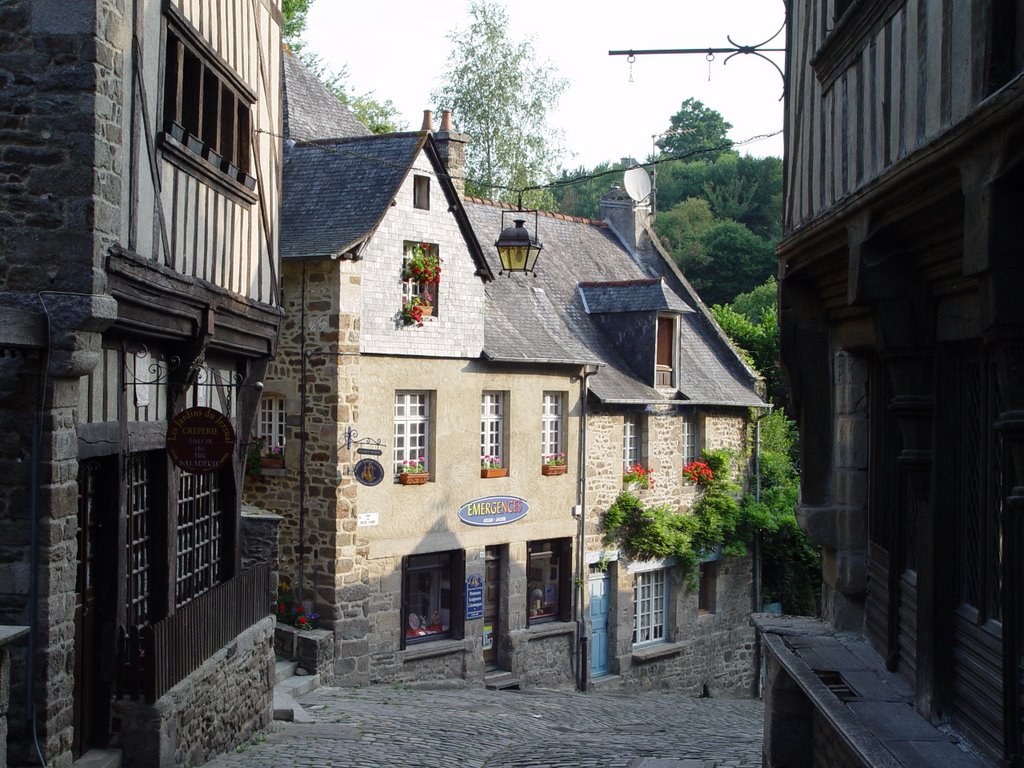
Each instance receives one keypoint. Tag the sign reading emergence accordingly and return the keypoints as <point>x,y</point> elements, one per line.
<point>493,510</point>
<point>200,439</point>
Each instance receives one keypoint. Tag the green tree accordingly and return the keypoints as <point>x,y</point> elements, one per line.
<point>295,22</point>
<point>695,129</point>
<point>579,192</point>
<point>751,321</point>
<point>682,228</point>
<point>736,260</point>
<point>501,96</point>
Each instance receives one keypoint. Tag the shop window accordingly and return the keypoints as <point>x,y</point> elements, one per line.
<point>412,431</point>
<point>421,192</point>
<point>548,580</point>
<point>206,106</point>
<point>707,595</point>
<point>650,607</point>
<point>632,440</point>
<point>270,427</point>
<point>432,596</point>
<point>553,427</point>
<point>492,430</point>
<point>200,561</point>
<point>691,438</point>
<point>139,541</point>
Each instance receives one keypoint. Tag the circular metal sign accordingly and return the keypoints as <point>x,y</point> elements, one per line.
<point>368,471</point>
<point>200,439</point>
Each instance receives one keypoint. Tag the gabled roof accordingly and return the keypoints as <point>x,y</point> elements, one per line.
<point>310,110</point>
<point>336,191</point>
<point>640,295</point>
<point>583,265</point>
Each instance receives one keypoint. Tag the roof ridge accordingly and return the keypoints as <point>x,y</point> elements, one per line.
<point>546,214</point>
<point>350,139</point>
<point>622,283</point>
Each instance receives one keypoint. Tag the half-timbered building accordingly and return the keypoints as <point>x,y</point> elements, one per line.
<point>138,270</point>
<point>903,336</point>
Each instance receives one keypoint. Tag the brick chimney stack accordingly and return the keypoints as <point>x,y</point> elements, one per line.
<point>452,148</point>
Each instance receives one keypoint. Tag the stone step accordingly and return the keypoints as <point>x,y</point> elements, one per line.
<point>298,685</point>
<point>284,669</point>
<point>286,708</point>
<point>99,758</point>
<point>606,683</point>
<point>500,680</point>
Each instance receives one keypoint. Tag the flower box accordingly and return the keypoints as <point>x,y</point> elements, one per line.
<point>272,462</point>
<point>553,469</point>
<point>499,472</point>
<point>413,478</point>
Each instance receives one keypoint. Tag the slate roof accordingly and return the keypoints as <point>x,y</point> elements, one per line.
<point>545,318</point>
<point>336,191</point>
<point>630,296</point>
<point>310,110</point>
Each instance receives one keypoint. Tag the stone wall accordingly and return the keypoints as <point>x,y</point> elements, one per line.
<point>219,706</point>
<point>543,655</point>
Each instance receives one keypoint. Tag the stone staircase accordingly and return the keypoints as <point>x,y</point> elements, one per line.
<point>290,682</point>
<point>500,680</point>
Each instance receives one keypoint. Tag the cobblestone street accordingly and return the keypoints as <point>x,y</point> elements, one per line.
<point>397,726</point>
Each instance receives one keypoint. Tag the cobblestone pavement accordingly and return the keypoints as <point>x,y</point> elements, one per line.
<point>398,726</point>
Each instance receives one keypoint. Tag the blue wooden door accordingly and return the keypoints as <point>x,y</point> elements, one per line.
<point>599,602</point>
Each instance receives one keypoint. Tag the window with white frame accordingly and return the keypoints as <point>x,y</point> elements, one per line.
<point>412,429</point>
<point>492,430</point>
<point>270,426</point>
<point>650,607</point>
<point>691,438</point>
<point>632,440</point>
<point>552,426</point>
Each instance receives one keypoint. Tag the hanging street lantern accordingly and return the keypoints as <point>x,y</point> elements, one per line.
<point>517,248</point>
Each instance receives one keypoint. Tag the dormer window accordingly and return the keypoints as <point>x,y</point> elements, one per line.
<point>665,354</point>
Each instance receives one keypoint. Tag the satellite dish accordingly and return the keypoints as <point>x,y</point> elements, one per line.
<point>637,183</point>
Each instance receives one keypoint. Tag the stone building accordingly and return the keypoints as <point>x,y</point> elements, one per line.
<point>481,572</point>
<point>903,337</point>
<point>139,297</point>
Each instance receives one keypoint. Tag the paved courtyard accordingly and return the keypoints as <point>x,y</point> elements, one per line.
<point>398,726</point>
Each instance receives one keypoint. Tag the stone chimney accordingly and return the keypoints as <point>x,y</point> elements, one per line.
<point>626,216</point>
<point>452,148</point>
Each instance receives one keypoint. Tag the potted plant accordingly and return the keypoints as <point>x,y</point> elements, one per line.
<point>490,466</point>
<point>273,458</point>
<point>422,266</point>
<point>697,473</point>
<point>413,472</point>
<point>638,478</point>
<point>553,464</point>
<point>415,309</point>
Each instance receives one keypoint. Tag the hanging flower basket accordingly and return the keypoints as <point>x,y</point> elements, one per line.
<point>413,478</point>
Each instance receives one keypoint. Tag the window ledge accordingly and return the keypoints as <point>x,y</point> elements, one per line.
<point>192,163</point>
<point>433,649</point>
<point>549,629</point>
<point>656,651</point>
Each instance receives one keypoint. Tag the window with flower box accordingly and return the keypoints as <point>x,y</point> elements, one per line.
<point>492,431</point>
<point>412,431</point>
<point>691,438</point>
<point>432,597</point>
<point>632,440</point>
<point>270,426</point>
<point>549,574</point>
<point>421,280</point>
<point>553,427</point>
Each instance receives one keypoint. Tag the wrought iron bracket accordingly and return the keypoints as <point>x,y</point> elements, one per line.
<point>367,446</point>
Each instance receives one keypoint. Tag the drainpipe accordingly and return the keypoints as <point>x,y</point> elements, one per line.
<point>582,639</point>
<point>302,439</point>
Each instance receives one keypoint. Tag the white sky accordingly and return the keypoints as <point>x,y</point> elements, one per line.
<point>399,50</point>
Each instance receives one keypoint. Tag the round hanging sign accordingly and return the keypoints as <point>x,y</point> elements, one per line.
<point>200,439</point>
<point>368,471</point>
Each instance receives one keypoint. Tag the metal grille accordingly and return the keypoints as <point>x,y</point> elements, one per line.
<point>970,485</point>
<point>138,542</point>
<point>198,561</point>
<point>649,607</point>
<point>994,524</point>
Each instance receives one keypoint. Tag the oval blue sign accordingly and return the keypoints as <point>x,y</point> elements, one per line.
<point>493,510</point>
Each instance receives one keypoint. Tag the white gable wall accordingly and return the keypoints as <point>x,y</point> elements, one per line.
<point>457,329</point>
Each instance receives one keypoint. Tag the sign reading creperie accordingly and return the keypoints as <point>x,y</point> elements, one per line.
<point>200,439</point>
